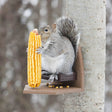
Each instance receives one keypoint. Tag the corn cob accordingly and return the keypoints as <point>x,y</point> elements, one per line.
<point>34,61</point>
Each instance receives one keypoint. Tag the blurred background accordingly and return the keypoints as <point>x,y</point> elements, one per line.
<point>17,19</point>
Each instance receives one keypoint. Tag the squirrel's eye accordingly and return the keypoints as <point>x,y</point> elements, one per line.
<point>46,30</point>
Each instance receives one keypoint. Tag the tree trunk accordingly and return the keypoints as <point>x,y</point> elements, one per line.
<point>108,91</point>
<point>90,18</point>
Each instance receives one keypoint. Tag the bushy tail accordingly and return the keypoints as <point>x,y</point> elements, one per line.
<point>66,27</point>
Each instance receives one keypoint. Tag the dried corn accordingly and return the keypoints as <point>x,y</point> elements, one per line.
<point>56,87</point>
<point>34,61</point>
<point>67,86</point>
<point>61,86</point>
<point>50,86</point>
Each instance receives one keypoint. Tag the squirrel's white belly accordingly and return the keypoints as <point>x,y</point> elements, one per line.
<point>52,64</point>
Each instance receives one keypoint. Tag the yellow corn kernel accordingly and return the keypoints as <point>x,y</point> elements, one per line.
<point>67,86</point>
<point>56,87</point>
<point>34,61</point>
<point>50,86</point>
<point>61,86</point>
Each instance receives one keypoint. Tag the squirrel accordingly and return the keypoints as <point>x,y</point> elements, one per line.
<point>59,47</point>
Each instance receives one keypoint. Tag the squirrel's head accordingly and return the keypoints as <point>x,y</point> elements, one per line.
<point>45,32</point>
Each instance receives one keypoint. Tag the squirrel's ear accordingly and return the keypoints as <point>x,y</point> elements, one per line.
<point>53,27</point>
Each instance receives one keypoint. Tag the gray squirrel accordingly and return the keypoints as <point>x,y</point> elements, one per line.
<point>59,47</point>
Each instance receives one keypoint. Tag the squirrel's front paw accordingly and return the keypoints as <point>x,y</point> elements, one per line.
<point>39,50</point>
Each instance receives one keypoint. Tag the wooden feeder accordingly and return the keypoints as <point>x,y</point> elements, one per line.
<point>78,82</point>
